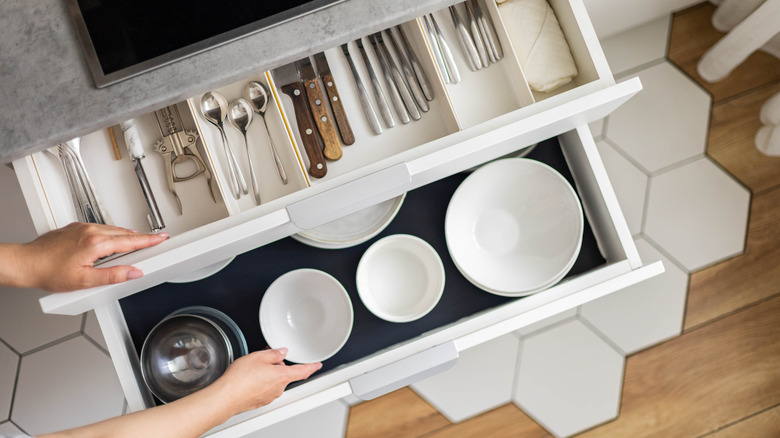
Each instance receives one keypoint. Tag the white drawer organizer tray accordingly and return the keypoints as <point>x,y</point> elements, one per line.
<point>490,113</point>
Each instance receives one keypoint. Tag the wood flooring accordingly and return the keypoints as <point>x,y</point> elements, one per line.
<point>721,377</point>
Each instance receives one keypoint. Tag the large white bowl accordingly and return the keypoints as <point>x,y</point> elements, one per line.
<point>308,312</point>
<point>400,278</point>
<point>514,227</point>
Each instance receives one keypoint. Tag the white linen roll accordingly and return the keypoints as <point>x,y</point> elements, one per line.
<point>539,43</point>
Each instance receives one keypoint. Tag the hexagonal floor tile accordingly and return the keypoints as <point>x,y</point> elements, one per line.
<point>24,326</point>
<point>10,430</point>
<point>698,214</point>
<point>568,379</point>
<point>17,224</point>
<point>543,324</point>
<point>9,363</point>
<point>479,381</point>
<point>637,46</point>
<point>327,421</point>
<point>643,314</point>
<point>92,330</point>
<point>629,182</point>
<point>64,386</point>
<point>665,123</point>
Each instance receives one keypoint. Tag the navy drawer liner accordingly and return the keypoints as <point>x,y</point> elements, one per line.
<point>238,288</point>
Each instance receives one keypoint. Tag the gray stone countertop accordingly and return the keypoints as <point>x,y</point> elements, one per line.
<point>48,95</point>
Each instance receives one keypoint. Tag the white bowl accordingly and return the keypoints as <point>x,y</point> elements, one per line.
<point>400,278</point>
<point>352,229</point>
<point>308,312</point>
<point>514,227</point>
<point>200,274</point>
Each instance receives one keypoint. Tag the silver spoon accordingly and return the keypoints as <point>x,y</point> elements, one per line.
<point>257,94</point>
<point>240,115</point>
<point>214,108</point>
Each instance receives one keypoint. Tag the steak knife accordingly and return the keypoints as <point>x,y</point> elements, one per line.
<point>330,138</point>
<point>323,71</point>
<point>291,85</point>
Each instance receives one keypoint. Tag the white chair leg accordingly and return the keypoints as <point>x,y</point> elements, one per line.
<point>731,12</point>
<point>768,136</point>
<point>750,34</point>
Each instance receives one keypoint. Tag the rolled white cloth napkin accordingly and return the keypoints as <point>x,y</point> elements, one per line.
<point>539,43</point>
<point>768,136</point>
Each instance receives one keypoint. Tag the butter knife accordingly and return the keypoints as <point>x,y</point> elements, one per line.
<point>379,96</point>
<point>395,97</point>
<point>323,71</point>
<point>400,82</point>
<point>322,120</point>
<point>368,109</point>
<point>419,73</point>
<point>406,69</point>
<point>290,84</point>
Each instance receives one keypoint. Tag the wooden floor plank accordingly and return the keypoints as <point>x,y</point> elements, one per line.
<point>694,384</point>
<point>764,424</point>
<point>401,413</point>
<point>692,35</point>
<point>506,421</point>
<point>731,142</point>
<point>745,279</point>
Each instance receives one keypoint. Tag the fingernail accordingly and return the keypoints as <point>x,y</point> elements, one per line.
<point>319,365</point>
<point>283,351</point>
<point>132,231</point>
<point>164,235</point>
<point>135,273</point>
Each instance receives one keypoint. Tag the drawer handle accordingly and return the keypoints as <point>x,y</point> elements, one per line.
<point>404,372</point>
<point>350,197</point>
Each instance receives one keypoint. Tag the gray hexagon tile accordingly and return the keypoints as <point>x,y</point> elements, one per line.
<point>17,224</point>
<point>327,421</point>
<point>479,381</point>
<point>8,429</point>
<point>64,386</point>
<point>9,363</point>
<point>638,46</point>
<point>646,313</point>
<point>92,329</point>
<point>568,379</point>
<point>698,214</point>
<point>25,327</point>
<point>543,324</point>
<point>665,123</point>
<point>629,182</point>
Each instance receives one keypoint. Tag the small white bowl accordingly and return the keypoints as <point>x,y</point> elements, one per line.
<point>400,278</point>
<point>514,227</point>
<point>308,312</point>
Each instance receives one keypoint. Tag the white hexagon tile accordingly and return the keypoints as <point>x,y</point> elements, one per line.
<point>10,430</point>
<point>25,327</point>
<point>64,386</point>
<point>568,378</point>
<point>327,421</point>
<point>629,182</point>
<point>643,314</point>
<point>664,124</point>
<point>638,46</point>
<point>479,381</point>
<point>9,363</point>
<point>698,214</point>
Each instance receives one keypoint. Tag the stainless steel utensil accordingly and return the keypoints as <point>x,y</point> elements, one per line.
<point>135,151</point>
<point>406,69</point>
<point>240,114</point>
<point>379,95</point>
<point>419,73</point>
<point>257,94</point>
<point>84,210</point>
<point>488,30</point>
<point>466,43</point>
<point>435,49</point>
<point>395,96</point>
<point>368,108</point>
<point>446,53</point>
<point>214,106</point>
<point>400,82</point>
<point>476,35</point>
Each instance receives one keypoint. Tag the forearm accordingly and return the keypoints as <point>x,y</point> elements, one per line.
<point>13,266</point>
<point>191,416</point>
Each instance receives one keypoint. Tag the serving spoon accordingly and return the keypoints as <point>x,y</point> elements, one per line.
<point>214,108</point>
<point>240,115</point>
<point>257,95</point>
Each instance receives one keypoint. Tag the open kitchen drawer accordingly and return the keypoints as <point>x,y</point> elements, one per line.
<point>374,169</point>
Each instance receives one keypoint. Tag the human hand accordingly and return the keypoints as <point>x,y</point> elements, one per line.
<point>62,260</point>
<point>259,378</point>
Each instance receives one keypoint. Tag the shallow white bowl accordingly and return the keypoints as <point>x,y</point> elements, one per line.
<point>514,227</point>
<point>308,312</point>
<point>400,278</point>
<point>202,273</point>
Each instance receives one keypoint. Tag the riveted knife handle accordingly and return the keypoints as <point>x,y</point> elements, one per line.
<point>322,119</point>
<point>311,143</point>
<point>338,110</point>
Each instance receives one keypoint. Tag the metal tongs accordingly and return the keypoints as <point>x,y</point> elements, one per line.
<point>178,147</point>
<point>88,205</point>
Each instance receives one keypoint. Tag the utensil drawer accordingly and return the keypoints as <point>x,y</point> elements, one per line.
<point>374,364</point>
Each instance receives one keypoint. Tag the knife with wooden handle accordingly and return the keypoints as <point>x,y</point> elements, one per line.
<point>293,87</point>
<point>322,120</point>
<point>323,71</point>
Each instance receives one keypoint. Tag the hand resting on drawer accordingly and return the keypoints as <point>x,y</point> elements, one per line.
<point>62,260</point>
